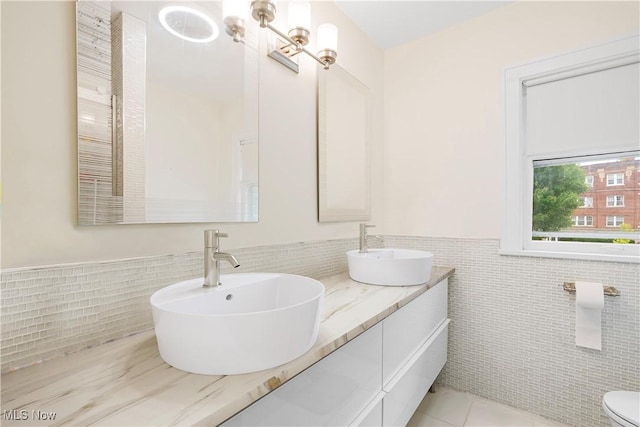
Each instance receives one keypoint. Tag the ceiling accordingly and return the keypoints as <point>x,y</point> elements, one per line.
<point>391,23</point>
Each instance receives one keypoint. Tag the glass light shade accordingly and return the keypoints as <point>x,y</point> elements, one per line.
<point>299,14</point>
<point>237,8</point>
<point>328,37</point>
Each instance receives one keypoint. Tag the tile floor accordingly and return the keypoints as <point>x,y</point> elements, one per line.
<point>448,407</point>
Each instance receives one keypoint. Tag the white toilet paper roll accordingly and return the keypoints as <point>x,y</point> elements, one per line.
<point>589,303</point>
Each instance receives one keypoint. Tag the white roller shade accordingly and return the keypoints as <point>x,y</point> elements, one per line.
<point>595,111</point>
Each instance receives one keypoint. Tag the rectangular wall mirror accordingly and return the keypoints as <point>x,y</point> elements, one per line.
<point>344,138</point>
<point>167,123</point>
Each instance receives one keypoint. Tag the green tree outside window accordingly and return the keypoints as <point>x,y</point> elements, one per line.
<point>556,192</point>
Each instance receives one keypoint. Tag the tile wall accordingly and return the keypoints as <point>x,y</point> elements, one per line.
<point>50,311</point>
<point>512,339</point>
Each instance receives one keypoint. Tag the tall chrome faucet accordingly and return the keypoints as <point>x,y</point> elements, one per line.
<point>212,257</point>
<point>363,237</point>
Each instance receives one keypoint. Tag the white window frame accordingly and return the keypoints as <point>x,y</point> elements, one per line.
<point>576,220</point>
<point>516,237</point>
<point>615,203</point>
<point>589,180</point>
<point>615,221</point>
<point>615,179</point>
<point>585,204</point>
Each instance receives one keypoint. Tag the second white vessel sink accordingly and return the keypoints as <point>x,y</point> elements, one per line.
<point>390,267</point>
<point>252,322</point>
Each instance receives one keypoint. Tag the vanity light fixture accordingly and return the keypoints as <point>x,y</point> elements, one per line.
<point>188,23</point>
<point>235,13</point>
<point>287,45</point>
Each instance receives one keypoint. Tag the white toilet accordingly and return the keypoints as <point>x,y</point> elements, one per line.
<point>622,408</point>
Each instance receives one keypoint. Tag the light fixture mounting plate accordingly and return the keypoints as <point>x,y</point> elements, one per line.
<point>283,52</point>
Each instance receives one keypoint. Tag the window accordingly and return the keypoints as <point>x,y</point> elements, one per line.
<point>586,202</point>
<point>615,179</point>
<point>615,221</point>
<point>582,221</point>
<point>614,201</point>
<point>557,198</point>
<point>571,128</point>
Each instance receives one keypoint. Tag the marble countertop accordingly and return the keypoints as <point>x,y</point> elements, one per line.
<point>126,383</point>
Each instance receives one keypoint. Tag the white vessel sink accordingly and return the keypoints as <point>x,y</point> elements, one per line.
<point>252,322</point>
<point>390,267</point>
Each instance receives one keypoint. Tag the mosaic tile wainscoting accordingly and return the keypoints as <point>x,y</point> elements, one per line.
<point>53,310</point>
<point>512,339</point>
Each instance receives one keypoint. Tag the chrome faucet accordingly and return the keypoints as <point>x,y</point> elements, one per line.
<point>363,238</point>
<point>212,257</point>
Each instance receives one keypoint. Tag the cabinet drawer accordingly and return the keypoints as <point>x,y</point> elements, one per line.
<point>371,416</point>
<point>331,392</point>
<point>406,329</point>
<point>406,390</point>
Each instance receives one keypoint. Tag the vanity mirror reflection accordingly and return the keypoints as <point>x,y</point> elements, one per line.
<point>167,115</point>
<point>344,139</point>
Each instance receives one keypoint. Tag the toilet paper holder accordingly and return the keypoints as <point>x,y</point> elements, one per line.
<point>609,291</point>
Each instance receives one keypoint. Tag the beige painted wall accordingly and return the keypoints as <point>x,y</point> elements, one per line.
<point>39,148</point>
<point>442,131</point>
<point>444,153</point>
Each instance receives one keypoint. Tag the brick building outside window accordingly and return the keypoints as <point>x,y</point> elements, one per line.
<point>612,197</point>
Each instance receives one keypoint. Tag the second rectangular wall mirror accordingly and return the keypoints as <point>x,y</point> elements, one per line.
<point>167,115</point>
<point>344,146</point>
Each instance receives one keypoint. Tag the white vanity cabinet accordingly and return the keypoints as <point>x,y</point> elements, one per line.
<point>332,392</point>
<point>408,328</point>
<point>376,379</point>
<point>406,390</point>
<point>414,352</point>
